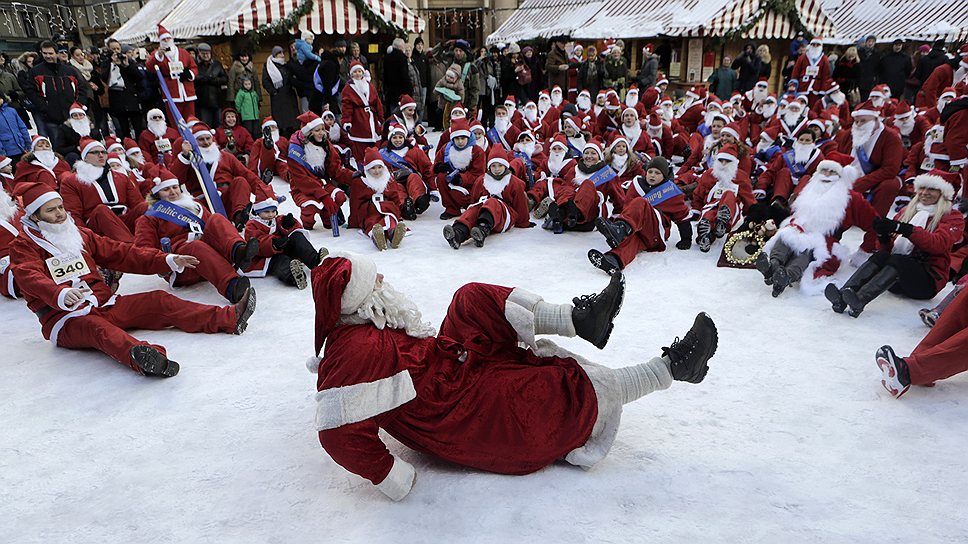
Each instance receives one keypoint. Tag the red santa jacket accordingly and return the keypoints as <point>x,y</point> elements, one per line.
<point>9,229</point>
<point>539,163</point>
<point>779,166</point>
<point>920,161</point>
<point>933,247</point>
<point>884,160</point>
<point>367,207</point>
<point>273,158</point>
<point>943,76</point>
<point>149,143</point>
<point>222,171</point>
<point>181,91</point>
<point>32,170</point>
<point>362,115</point>
<point>82,197</point>
<point>674,208</point>
<point>640,142</point>
<point>663,144</point>
<point>415,159</point>
<point>149,230</point>
<point>707,189</point>
<point>470,174</point>
<point>314,184</point>
<point>691,118</point>
<point>811,75</point>
<point>606,122</point>
<point>45,297</point>
<point>956,137</point>
<point>512,198</point>
<point>243,140</point>
<point>265,232</point>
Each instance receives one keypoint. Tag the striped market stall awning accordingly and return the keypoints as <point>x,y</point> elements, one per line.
<point>651,18</point>
<point>918,20</point>
<point>190,18</point>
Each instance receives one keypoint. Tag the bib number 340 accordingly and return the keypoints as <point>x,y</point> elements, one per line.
<point>66,267</point>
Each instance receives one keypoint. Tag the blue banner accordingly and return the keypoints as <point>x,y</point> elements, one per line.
<point>604,175</point>
<point>175,214</point>
<point>662,192</point>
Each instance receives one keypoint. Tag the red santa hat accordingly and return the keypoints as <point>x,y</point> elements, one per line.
<point>76,108</point>
<point>36,139</point>
<point>770,98</point>
<point>309,121</point>
<point>882,91</point>
<point>475,125</point>
<point>341,284</point>
<point>867,108</point>
<point>575,122</point>
<point>728,152</point>
<point>459,111</point>
<point>497,155</point>
<point>817,40</point>
<point>327,113</point>
<point>611,92</point>
<point>459,127</point>
<point>164,180</point>
<point>406,101</point>
<point>736,97</point>
<point>949,92</point>
<point>265,205</point>
<point>611,102</point>
<point>648,48</point>
<point>615,137</point>
<point>654,120</point>
<point>201,129</point>
<point>830,87</point>
<point>111,143</point>
<point>633,87</point>
<point>372,158</point>
<point>191,121</point>
<point>936,179</point>
<point>163,33</point>
<point>963,50</point>
<point>903,111</point>
<point>736,130</point>
<point>802,99</point>
<point>661,79</point>
<point>666,100</point>
<point>697,92</point>
<point>596,145</point>
<point>34,195</point>
<point>584,92</point>
<point>510,102</point>
<point>717,115</point>
<point>772,132</point>
<point>87,145</point>
<point>601,92</point>
<point>269,122</point>
<point>834,166</point>
<point>556,89</point>
<point>356,65</point>
<point>560,140</point>
<point>543,93</point>
<point>631,109</point>
<point>155,112</point>
<point>131,147</point>
<point>395,128</point>
<point>5,161</point>
<point>114,158</point>
<point>762,82</point>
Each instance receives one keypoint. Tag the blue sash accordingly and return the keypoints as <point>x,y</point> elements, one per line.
<point>703,129</point>
<point>573,151</point>
<point>528,167</point>
<point>864,160</point>
<point>797,169</point>
<point>298,154</point>
<point>454,171</point>
<point>660,193</point>
<point>174,214</point>
<point>394,160</point>
<point>496,139</point>
<point>604,175</point>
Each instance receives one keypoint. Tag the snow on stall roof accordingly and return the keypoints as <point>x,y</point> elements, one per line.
<point>919,20</point>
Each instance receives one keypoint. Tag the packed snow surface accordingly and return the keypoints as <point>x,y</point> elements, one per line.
<point>790,438</point>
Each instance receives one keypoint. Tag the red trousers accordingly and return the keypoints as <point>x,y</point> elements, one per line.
<point>416,187</point>
<point>882,198</point>
<point>7,287</point>
<point>944,351</point>
<point>455,198</point>
<point>214,253</point>
<point>503,221</point>
<point>325,207</point>
<point>105,222</point>
<point>187,109</point>
<point>728,199</point>
<point>103,328</point>
<point>236,194</point>
<point>650,230</point>
<point>358,149</point>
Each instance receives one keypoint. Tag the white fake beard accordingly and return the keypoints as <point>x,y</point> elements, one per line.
<point>501,124</point>
<point>709,117</point>
<point>170,50</point>
<point>543,106</point>
<point>409,123</point>
<point>211,153</point>
<point>481,142</point>
<point>577,141</point>
<point>633,132</point>
<point>315,155</point>
<point>496,186</point>
<point>942,102</point>
<point>814,52</point>
<point>689,101</point>
<point>838,98</point>
<point>333,132</point>
<point>64,236</point>
<point>81,126</point>
<point>186,201</point>
<point>556,99</point>
<point>531,114</point>
<point>461,158</point>
<point>362,87</point>
<point>87,172</point>
<point>584,103</point>
<point>158,128</point>
<point>556,160</point>
<point>8,208</point>
<point>527,149</point>
<point>792,118</point>
<point>619,162</point>
<point>802,152</point>
<point>654,133</point>
<point>905,126</point>
<point>768,111</point>
<point>725,173</point>
<point>666,113</point>
<point>760,94</point>
<point>763,146</point>
<point>861,135</point>
<point>46,158</point>
<point>275,135</point>
<point>877,101</point>
<point>631,99</point>
<point>821,205</point>
<point>386,306</point>
<point>138,158</point>
<point>378,184</point>
<point>402,152</point>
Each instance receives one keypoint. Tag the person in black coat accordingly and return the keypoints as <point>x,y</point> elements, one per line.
<point>870,58</point>
<point>419,59</point>
<point>749,65</point>
<point>327,85</point>
<point>303,81</point>
<point>209,86</point>
<point>396,75</point>
<point>927,63</point>
<point>277,81</point>
<point>894,69</point>
<point>120,74</point>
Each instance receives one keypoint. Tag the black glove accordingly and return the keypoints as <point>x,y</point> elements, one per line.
<point>402,174</point>
<point>267,138</point>
<point>904,229</point>
<point>357,174</point>
<point>884,227</point>
<point>441,168</point>
<point>456,180</point>
<point>758,213</point>
<point>186,75</point>
<point>288,221</point>
<point>266,176</point>
<point>279,242</point>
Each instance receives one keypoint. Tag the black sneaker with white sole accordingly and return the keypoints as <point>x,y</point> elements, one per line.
<point>593,315</point>
<point>704,235</point>
<point>152,362</point>
<point>689,356</point>
<point>895,375</point>
<point>604,261</point>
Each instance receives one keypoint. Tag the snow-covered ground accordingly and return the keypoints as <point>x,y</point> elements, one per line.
<point>789,439</point>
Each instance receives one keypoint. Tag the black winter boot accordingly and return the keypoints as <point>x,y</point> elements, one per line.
<point>858,299</point>
<point>593,314</point>
<point>570,214</point>
<point>860,276</point>
<point>456,235</point>
<point>244,309</point>
<point>896,377</point>
<point>605,261</point>
<point>152,362</point>
<point>780,280</point>
<point>723,217</point>
<point>836,300</point>
<point>689,356</point>
<point>613,231</point>
<point>542,208</point>
<point>409,211</point>
<point>422,203</point>
<point>236,289</point>
<point>685,235</point>
<point>243,253</point>
<point>704,235</point>
<point>765,267</point>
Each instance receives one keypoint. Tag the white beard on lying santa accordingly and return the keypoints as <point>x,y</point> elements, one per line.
<point>87,172</point>
<point>8,208</point>
<point>64,236</point>
<point>461,158</point>
<point>81,126</point>
<point>186,201</point>
<point>387,307</point>
<point>46,157</point>
<point>211,153</point>
<point>158,128</point>
<point>377,183</point>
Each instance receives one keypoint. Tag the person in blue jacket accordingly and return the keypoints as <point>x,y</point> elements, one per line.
<point>14,138</point>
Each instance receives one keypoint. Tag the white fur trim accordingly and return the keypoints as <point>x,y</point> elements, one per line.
<point>373,163</point>
<point>170,260</point>
<point>498,160</point>
<point>29,209</point>
<point>311,125</point>
<point>831,165</point>
<point>399,480</point>
<point>312,364</point>
<point>362,281</point>
<point>163,184</point>
<point>727,156</point>
<point>730,130</point>
<point>90,147</point>
<point>872,113</point>
<point>458,133</point>
<point>930,181</point>
<point>338,406</point>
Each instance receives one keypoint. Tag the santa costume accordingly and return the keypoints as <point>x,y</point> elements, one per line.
<point>722,193</point>
<point>235,139</point>
<point>73,131</point>
<point>316,174</point>
<point>268,155</point>
<point>56,270</point>
<point>788,169</point>
<point>575,203</point>
<point>185,226</point>
<point>104,200</point>
<point>362,112</point>
<point>283,246</point>
<point>10,214</point>
<point>811,70</point>
<point>411,167</point>
<point>375,203</point>
<point>693,110</point>
<point>178,70</point>
<point>457,170</point>
<point>528,159</point>
<point>382,370</point>
<point>40,166</point>
<point>498,204</point>
<point>157,141</point>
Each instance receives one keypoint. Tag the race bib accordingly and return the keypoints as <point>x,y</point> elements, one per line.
<point>927,164</point>
<point>176,68</point>
<point>4,263</point>
<point>718,192</point>
<point>66,267</point>
<point>163,145</point>
<point>195,231</point>
<point>812,71</point>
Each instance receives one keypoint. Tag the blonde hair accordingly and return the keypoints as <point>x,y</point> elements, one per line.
<point>851,54</point>
<point>943,207</point>
<point>763,51</point>
<point>633,157</point>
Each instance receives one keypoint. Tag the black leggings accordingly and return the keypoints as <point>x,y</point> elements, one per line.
<point>915,278</point>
